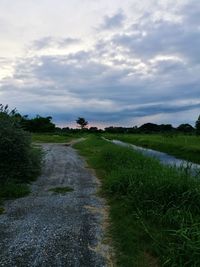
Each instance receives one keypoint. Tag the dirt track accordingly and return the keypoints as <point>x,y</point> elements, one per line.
<point>48,229</point>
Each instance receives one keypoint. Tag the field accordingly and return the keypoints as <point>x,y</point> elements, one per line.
<point>182,146</point>
<point>53,138</point>
<point>154,210</point>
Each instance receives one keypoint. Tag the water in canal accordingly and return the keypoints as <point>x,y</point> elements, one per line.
<point>164,158</point>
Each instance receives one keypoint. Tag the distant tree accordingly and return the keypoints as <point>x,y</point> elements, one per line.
<point>93,129</point>
<point>149,127</point>
<point>185,128</point>
<point>81,122</point>
<point>166,128</point>
<point>38,124</point>
<point>197,125</point>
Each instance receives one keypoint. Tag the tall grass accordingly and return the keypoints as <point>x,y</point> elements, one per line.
<point>182,146</point>
<point>155,210</point>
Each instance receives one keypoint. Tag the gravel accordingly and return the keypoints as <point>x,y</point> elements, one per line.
<point>49,229</point>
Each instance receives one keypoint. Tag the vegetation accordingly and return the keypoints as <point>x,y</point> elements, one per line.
<point>51,138</point>
<point>61,190</point>
<point>197,125</point>
<point>81,122</point>
<point>55,138</point>
<point>38,124</point>
<point>19,160</point>
<point>154,209</point>
<point>182,146</point>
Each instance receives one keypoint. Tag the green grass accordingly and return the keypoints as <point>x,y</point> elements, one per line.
<point>12,190</point>
<point>182,146</point>
<point>55,138</point>
<point>61,190</point>
<point>2,210</point>
<point>17,188</point>
<point>154,209</point>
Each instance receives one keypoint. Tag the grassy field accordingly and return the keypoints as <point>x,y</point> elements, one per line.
<point>53,138</point>
<point>182,146</point>
<point>154,209</point>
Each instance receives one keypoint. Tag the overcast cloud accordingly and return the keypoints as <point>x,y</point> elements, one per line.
<point>114,63</point>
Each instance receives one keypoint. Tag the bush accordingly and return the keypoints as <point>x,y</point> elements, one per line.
<point>18,160</point>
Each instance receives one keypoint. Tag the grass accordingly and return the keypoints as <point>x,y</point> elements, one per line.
<point>54,138</point>
<point>1,210</point>
<point>61,190</point>
<point>17,188</point>
<point>154,209</point>
<point>12,190</point>
<point>182,146</point>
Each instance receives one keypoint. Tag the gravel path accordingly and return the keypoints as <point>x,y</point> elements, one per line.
<point>48,229</point>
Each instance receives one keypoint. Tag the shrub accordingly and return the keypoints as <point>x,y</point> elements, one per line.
<point>18,160</point>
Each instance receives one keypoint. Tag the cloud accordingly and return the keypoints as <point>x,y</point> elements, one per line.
<point>50,41</point>
<point>140,69</point>
<point>114,21</point>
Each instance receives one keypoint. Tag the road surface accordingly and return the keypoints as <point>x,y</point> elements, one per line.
<point>48,229</point>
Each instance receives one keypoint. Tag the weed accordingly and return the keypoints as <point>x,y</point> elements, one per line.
<point>1,210</point>
<point>61,190</point>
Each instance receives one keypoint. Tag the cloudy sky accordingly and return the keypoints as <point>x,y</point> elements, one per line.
<point>113,62</point>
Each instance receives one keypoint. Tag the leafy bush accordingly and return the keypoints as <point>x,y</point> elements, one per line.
<point>18,160</point>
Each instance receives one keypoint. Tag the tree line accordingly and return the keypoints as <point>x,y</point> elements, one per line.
<point>41,124</point>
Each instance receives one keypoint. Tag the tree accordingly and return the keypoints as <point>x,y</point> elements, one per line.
<point>82,122</point>
<point>197,125</point>
<point>38,124</point>
<point>185,128</point>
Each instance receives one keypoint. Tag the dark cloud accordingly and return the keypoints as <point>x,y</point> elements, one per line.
<point>150,68</point>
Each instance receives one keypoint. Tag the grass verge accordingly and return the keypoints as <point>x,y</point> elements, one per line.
<point>154,209</point>
<point>54,138</point>
<point>182,146</point>
<point>16,188</point>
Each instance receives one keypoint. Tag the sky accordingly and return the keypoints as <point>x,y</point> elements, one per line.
<point>113,62</point>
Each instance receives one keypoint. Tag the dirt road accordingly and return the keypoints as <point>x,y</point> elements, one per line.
<point>50,229</point>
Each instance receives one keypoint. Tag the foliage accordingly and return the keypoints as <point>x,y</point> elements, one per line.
<point>18,160</point>
<point>185,128</point>
<point>197,125</point>
<point>82,122</point>
<point>154,209</point>
<point>38,124</point>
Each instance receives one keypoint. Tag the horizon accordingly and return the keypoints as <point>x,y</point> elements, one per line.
<point>112,63</point>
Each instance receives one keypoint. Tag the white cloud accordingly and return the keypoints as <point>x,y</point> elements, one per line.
<point>137,67</point>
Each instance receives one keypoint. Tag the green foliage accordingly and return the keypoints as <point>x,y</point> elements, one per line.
<point>197,125</point>
<point>154,209</point>
<point>38,124</point>
<point>12,190</point>
<point>82,122</point>
<point>19,161</point>
<point>1,210</point>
